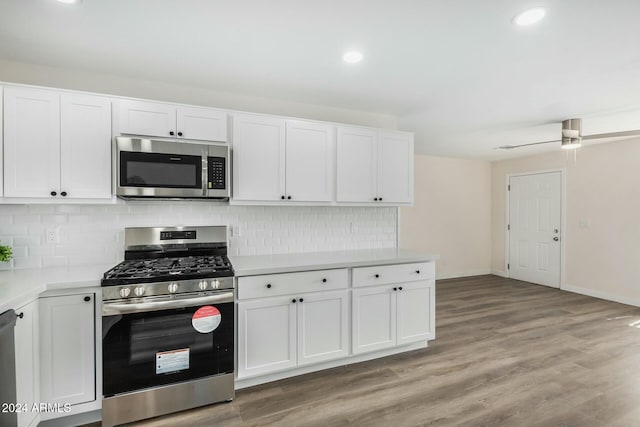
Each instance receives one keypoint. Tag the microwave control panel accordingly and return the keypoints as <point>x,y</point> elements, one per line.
<point>217,173</point>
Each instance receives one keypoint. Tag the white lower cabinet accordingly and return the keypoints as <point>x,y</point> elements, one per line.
<point>27,378</point>
<point>392,315</point>
<point>67,349</point>
<point>280,333</point>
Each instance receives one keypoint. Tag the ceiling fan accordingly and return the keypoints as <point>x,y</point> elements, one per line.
<point>572,136</point>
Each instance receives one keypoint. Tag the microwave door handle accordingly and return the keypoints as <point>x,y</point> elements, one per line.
<point>205,168</point>
<point>109,308</point>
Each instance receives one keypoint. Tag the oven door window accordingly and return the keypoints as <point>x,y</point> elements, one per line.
<point>143,350</point>
<point>158,170</point>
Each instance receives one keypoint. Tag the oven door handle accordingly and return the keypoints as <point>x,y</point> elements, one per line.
<point>110,308</point>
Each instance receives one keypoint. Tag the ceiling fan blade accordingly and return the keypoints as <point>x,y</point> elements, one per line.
<point>510,147</point>
<point>613,134</point>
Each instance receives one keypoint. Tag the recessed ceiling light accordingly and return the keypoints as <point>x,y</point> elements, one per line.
<point>529,17</point>
<point>352,57</point>
<point>69,1</point>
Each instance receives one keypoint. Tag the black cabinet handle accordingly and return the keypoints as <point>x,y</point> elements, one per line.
<point>395,289</point>
<point>269,285</point>
<point>171,133</point>
<point>282,197</point>
<point>63,194</point>
<point>179,133</point>
<point>87,298</point>
<point>289,197</point>
<point>301,299</point>
<point>417,271</point>
<point>53,193</point>
<point>293,300</point>
<point>324,280</point>
<point>377,276</point>
<point>400,288</point>
<point>21,315</point>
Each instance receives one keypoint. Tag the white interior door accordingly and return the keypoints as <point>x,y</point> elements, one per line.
<point>534,220</point>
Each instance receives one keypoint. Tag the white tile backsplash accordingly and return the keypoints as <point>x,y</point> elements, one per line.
<point>90,234</point>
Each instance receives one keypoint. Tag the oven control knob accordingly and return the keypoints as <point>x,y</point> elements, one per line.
<point>173,288</point>
<point>215,284</point>
<point>124,292</point>
<point>139,291</point>
<point>203,285</point>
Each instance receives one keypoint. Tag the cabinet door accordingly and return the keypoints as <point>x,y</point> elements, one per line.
<point>309,161</point>
<point>31,142</point>
<point>202,123</point>
<point>258,158</point>
<point>374,319</point>
<point>357,156</point>
<point>85,146</point>
<point>27,377</point>
<point>395,167</point>
<point>266,336</point>
<point>323,327</point>
<point>67,343</point>
<point>416,317</point>
<point>147,118</point>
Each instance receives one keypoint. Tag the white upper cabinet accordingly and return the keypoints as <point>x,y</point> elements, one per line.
<point>258,158</point>
<point>201,123</point>
<point>57,145</point>
<point>395,167</point>
<point>309,161</point>
<point>85,146</point>
<point>31,142</point>
<point>277,159</point>
<point>374,166</point>
<point>170,121</point>
<point>357,163</point>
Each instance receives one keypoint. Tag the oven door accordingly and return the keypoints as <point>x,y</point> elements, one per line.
<point>146,349</point>
<point>150,168</point>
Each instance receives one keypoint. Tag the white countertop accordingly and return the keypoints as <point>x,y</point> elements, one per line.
<point>285,263</point>
<point>19,287</point>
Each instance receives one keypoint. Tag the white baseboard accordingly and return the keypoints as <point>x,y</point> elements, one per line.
<point>602,295</point>
<point>463,274</point>
<point>500,273</point>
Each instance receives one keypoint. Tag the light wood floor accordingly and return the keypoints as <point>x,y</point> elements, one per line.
<point>507,353</point>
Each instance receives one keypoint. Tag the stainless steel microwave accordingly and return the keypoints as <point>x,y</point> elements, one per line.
<point>147,168</point>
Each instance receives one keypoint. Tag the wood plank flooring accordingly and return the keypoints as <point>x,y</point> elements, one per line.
<point>507,353</point>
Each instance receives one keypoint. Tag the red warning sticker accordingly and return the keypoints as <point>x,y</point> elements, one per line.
<point>206,319</point>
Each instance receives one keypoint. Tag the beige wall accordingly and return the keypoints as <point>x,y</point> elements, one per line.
<point>603,189</point>
<point>451,215</point>
<point>18,72</point>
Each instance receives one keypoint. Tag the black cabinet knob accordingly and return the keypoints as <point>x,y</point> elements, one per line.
<point>293,300</point>
<point>21,315</point>
<point>301,299</point>
<point>63,194</point>
<point>377,276</point>
<point>380,199</point>
<point>282,197</point>
<point>417,271</point>
<point>395,289</point>
<point>375,199</point>
<point>179,133</point>
<point>53,193</point>
<point>289,197</point>
<point>400,288</point>
<point>324,280</point>
<point>269,285</point>
<point>171,133</point>
<point>87,298</point>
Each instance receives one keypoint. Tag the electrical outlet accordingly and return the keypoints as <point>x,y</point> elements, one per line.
<point>52,235</point>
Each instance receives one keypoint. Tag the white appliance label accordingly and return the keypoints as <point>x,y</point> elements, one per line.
<point>206,319</point>
<point>172,361</point>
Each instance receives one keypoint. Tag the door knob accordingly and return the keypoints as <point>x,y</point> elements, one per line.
<point>555,239</point>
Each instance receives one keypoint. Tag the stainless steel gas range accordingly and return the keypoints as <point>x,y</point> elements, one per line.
<point>167,324</point>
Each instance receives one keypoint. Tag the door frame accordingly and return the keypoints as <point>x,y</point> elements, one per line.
<point>563,222</point>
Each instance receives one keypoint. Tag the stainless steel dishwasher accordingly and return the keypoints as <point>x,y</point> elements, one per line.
<point>7,367</point>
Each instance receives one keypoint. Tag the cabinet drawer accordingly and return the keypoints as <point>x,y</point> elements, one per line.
<point>398,273</point>
<point>291,283</point>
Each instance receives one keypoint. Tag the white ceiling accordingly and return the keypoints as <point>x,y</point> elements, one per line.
<point>457,72</point>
